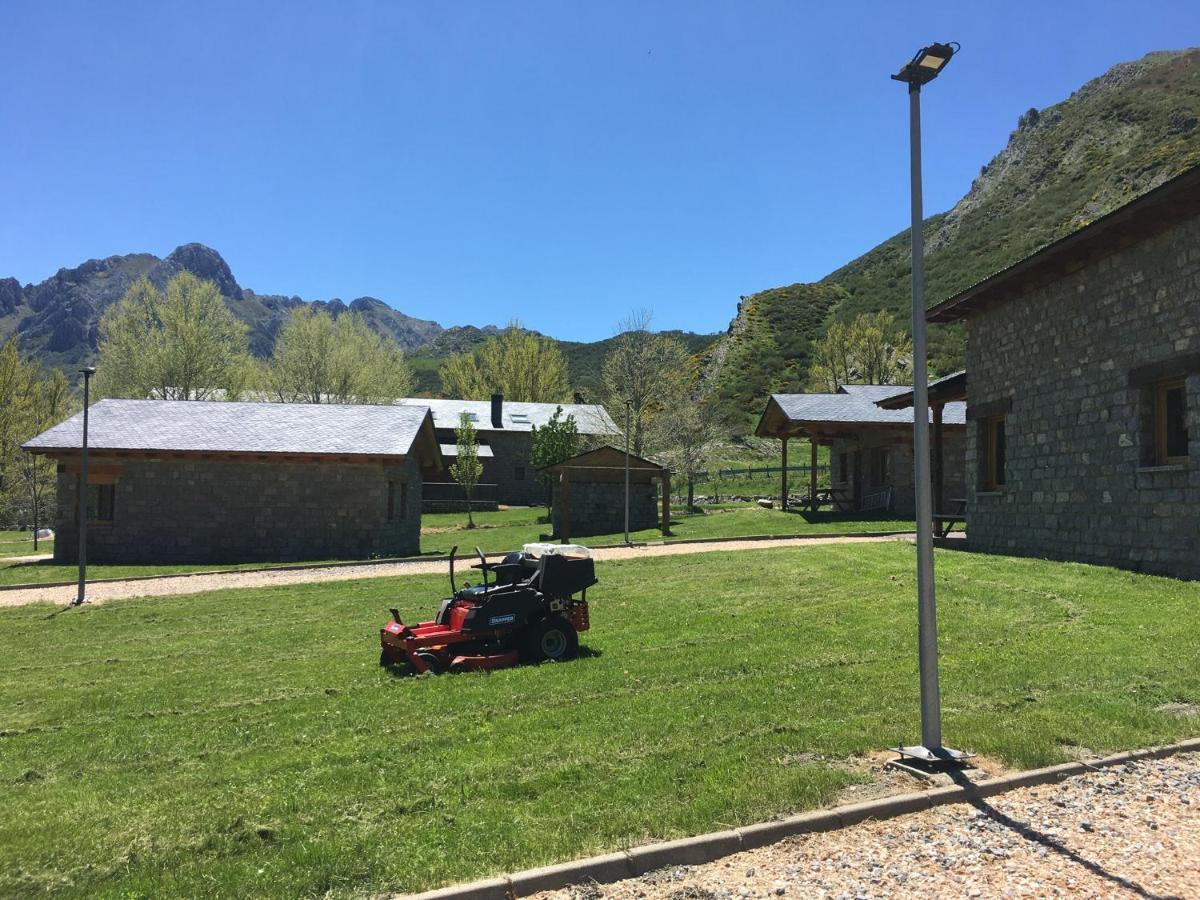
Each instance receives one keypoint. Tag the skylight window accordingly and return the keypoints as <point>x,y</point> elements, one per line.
<point>520,419</point>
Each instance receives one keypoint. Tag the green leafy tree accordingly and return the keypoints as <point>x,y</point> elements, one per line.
<point>16,376</point>
<point>50,401</point>
<point>516,363</point>
<point>320,359</point>
<point>179,344</point>
<point>466,468</point>
<point>872,349</point>
<point>555,441</point>
<point>648,371</point>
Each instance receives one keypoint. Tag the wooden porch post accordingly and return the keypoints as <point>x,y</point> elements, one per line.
<point>812,471</point>
<point>783,487</point>
<point>564,513</point>
<point>938,491</point>
<point>666,503</point>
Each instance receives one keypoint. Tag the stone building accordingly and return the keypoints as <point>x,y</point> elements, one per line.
<point>505,440</point>
<point>193,481</point>
<point>870,447</point>
<point>1084,392</point>
<point>589,494</point>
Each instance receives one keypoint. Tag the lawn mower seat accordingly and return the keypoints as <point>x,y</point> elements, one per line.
<point>514,568</point>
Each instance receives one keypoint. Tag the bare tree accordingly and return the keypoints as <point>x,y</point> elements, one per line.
<point>645,370</point>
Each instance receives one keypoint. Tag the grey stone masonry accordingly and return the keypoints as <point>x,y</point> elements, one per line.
<point>198,510</point>
<point>508,468</point>
<point>1081,483</point>
<point>598,507</point>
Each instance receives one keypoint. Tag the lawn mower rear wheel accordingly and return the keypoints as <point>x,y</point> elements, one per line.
<point>553,638</point>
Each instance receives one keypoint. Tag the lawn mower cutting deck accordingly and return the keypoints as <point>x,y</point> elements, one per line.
<point>527,613</point>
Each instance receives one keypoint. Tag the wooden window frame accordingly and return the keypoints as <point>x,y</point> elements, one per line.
<point>101,486</point>
<point>994,477</point>
<point>1161,389</point>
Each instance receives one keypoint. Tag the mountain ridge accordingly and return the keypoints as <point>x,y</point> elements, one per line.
<point>1114,138</point>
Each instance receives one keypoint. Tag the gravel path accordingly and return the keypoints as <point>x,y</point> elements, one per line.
<point>193,584</point>
<point>1129,831</point>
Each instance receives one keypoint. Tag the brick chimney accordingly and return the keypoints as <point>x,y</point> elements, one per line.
<point>497,410</point>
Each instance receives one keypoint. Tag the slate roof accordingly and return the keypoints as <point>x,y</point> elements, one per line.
<point>218,427</point>
<point>954,384</point>
<point>854,405</point>
<point>590,419</point>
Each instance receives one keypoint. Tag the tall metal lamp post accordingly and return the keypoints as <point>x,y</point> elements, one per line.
<point>920,70</point>
<point>87,372</point>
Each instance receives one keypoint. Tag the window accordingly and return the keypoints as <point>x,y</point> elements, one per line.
<point>1170,422</point>
<point>519,473</point>
<point>843,467</point>
<point>520,419</point>
<point>397,500</point>
<point>881,466</point>
<point>101,501</point>
<point>993,451</point>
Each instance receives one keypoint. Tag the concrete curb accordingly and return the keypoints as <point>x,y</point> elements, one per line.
<point>708,847</point>
<point>387,561</point>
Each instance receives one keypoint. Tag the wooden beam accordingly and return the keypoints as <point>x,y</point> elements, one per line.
<point>812,473</point>
<point>666,504</point>
<point>938,456</point>
<point>783,486</point>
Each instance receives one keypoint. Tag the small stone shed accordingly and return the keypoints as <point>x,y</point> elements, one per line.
<point>1083,404</point>
<point>871,456</point>
<point>192,481</point>
<point>589,494</point>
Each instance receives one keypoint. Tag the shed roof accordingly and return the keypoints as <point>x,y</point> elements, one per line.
<point>852,408</point>
<point>198,426</point>
<point>1155,211</point>
<point>606,457</point>
<point>590,418</point>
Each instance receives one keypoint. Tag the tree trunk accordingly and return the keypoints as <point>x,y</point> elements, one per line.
<point>691,503</point>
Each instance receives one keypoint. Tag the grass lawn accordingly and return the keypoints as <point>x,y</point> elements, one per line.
<point>19,543</point>
<point>509,529</point>
<point>244,743</point>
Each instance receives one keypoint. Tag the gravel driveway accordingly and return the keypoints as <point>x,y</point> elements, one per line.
<point>193,584</point>
<point>1129,831</point>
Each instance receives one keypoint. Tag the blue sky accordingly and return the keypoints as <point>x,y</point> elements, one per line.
<point>558,162</point>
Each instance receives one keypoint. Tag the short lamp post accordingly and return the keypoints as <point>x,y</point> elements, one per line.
<point>87,372</point>
<point>628,414</point>
<point>920,70</point>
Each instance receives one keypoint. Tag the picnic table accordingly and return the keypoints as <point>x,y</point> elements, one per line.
<point>944,522</point>
<point>835,497</point>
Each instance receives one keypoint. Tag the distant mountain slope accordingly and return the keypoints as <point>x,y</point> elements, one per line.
<point>57,321</point>
<point>1115,138</point>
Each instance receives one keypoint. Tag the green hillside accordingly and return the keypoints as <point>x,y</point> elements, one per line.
<point>1115,138</point>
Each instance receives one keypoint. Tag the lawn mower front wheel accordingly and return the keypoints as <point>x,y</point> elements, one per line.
<point>553,638</point>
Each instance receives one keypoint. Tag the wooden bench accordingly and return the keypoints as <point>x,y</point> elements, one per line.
<point>943,523</point>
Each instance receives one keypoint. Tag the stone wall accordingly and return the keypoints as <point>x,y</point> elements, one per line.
<point>508,468</point>
<point>1081,483</point>
<point>598,507</point>
<point>184,510</point>
<point>901,477</point>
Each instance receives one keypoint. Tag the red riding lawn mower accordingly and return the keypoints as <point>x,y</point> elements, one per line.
<point>528,613</point>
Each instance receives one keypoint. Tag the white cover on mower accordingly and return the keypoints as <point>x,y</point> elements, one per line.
<point>539,550</point>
